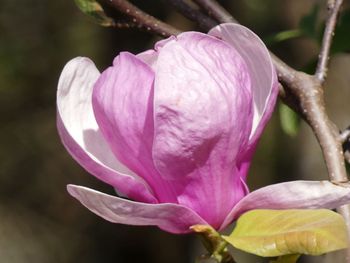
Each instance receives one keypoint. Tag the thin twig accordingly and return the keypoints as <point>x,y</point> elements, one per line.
<point>149,22</point>
<point>125,25</point>
<point>205,22</point>
<point>333,9</point>
<point>215,10</point>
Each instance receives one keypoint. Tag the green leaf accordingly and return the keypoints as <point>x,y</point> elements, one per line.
<point>93,9</point>
<point>290,121</point>
<point>272,233</point>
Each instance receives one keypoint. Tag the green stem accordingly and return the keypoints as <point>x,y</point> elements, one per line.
<point>214,243</point>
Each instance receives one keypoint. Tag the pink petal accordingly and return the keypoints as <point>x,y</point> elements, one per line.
<point>202,120</point>
<point>259,63</point>
<point>81,135</point>
<point>293,195</point>
<point>169,217</point>
<point>263,78</point>
<point>150,56</point>
<point>123,107</point>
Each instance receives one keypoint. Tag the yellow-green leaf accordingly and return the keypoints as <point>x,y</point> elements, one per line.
<point>271,233</point>
<point>93,9</point>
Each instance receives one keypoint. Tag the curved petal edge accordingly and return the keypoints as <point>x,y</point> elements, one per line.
<point>262,71</point>
<point>293,195</point>
<point>172,218</point>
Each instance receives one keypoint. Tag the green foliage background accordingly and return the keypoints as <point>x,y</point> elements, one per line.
<point>39,222</point>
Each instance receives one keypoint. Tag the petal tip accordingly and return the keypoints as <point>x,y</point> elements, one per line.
<point>72,190</point>
<point>76,63</point>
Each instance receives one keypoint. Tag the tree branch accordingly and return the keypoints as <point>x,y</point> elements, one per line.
<point>311,97</point>
<point>193,14</point>
<point>215,10</point>
<point>147,21</point>
<point>125,24</point>
<point>333,7</point>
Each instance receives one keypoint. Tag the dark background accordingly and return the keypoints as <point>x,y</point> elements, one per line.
<point>39,221</point>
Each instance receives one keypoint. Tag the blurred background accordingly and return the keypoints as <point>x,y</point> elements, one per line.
<point>39,221</point>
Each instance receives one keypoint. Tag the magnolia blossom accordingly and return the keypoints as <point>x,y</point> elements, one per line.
<point>174,129</point>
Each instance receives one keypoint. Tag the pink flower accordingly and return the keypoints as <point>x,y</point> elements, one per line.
<point>173,129</point>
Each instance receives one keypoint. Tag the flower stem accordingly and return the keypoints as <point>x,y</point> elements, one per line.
<point>214,243</point>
